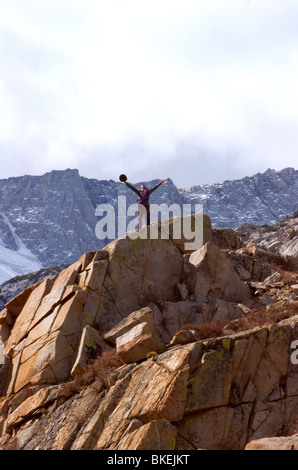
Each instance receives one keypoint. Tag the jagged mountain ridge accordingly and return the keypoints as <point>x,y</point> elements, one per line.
<point>50,220</point>
<point>264,198</point>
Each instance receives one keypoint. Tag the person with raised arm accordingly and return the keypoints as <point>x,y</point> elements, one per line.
<point>143,199</point>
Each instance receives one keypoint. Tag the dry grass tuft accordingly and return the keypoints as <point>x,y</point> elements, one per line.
<point>259,317</point>
<point>97,373</point>
<point>282,264</point>
<point>287,275</point>
<point>206,330</point>
<point>264,316</point>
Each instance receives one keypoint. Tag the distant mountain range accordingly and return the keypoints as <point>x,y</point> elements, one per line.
<point>264,198</point>
<point>50,220</point>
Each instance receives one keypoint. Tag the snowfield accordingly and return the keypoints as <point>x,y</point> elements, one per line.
<point>15,263</point>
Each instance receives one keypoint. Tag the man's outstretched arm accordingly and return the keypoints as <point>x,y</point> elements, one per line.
<point>133,188</point>
<point>157,186</point>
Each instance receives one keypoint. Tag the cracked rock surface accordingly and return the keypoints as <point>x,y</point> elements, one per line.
<point>173,389</point>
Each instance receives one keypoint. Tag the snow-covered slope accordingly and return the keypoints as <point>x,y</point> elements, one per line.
<point>15,258</point>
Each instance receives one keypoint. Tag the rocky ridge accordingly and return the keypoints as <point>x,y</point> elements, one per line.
<point>264,198</point>
<point>143,308</point>
<point>50,220</point>
<point>281,237</point>
<point>9,289</point>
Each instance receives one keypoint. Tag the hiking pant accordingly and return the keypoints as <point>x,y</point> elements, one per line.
<point>143,212</point>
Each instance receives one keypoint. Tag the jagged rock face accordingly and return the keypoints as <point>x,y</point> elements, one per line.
<point>16,285</point>
<point>50,220</point>
<point>6,236</point>
<point>52,214</point>
<point>100,289</point>
<point>212,273</point>
<point>134,295</point>
<point>259,199</point>
<point>281,237</point>
<point>216,394</point>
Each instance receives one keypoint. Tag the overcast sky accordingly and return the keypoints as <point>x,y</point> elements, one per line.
<point>196,90</point>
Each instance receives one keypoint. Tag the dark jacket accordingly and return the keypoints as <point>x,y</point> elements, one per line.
<point>143,194</point>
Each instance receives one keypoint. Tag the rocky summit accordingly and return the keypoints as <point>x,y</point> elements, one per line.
<point>141,345</point>
<point>49,220</point>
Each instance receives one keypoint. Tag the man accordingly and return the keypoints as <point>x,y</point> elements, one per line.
<point>143,201</point>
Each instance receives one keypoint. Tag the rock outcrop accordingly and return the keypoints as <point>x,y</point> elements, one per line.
<point>281,237</point>
<point>274,443</point>
<point>50,220</point>
<point>17,284</point>
<point>174,390</point>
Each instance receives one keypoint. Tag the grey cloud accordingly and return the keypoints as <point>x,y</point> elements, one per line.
<point>221,48</point>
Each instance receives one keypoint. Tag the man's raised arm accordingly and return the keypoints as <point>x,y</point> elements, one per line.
<point>132,188</point>
<point>157,186</point>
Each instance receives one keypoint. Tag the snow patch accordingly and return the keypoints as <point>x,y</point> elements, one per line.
<point>16,263</point>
